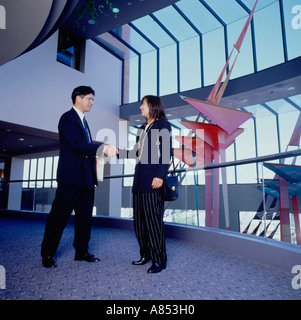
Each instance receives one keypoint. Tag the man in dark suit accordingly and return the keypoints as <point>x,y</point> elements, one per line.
<point>76,177</point>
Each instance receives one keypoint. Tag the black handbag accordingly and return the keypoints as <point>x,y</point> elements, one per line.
<point>171,186</point>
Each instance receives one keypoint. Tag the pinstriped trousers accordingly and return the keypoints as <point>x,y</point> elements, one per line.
<point>149,226</point>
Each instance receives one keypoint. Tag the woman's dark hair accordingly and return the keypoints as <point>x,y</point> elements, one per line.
<point>81,91</point>
<point>156,107</point>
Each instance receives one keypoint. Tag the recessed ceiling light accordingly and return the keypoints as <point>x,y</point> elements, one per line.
<point>21,139</point>
<point>129,3</point>
<point>168,114</point>
<point>115,10</point>
<point>291,88</point>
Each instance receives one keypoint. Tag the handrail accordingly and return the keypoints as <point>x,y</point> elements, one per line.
<point>270,157</point>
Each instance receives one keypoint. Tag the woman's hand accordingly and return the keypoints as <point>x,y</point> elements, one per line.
<point>157,183</point>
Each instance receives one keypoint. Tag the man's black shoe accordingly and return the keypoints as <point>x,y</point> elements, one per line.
<point>49,262</point>
<point>85,257</point>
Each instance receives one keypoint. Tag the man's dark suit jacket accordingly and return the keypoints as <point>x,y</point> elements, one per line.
<point>77,162</point>
<point>155,159</point>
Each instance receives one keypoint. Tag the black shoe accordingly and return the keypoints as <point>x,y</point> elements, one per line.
<point>85,257</point>
<point>49,262</point>
<point>141,262</point>
<point>157,267</point>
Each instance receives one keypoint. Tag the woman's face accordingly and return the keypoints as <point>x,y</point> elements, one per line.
<point>145,109</point>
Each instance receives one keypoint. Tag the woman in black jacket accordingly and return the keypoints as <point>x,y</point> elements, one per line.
<point>153,152</point>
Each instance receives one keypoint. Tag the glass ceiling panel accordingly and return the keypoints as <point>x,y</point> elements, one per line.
<point>268,35</point>
<point>198,15</point>
<point>258,111</point>
<point>134,39</point>
<point>222,10</point>
<point>296,99</point>
<point>281,106</point>
<point>150,28</point>
<point>175,24</point>
<point>260,5</point>
<point>115,45</point>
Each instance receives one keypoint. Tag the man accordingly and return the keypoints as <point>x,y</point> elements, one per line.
<point>76,177</point>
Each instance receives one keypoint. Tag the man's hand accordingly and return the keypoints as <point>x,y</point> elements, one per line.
<point>110,151</point>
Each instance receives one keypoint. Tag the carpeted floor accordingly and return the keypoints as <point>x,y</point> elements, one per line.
<point>193,272</point>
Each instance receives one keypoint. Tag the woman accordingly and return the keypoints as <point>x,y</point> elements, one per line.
<point>153,152</point>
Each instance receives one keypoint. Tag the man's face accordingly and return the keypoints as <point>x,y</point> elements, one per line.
<point>84,103</point>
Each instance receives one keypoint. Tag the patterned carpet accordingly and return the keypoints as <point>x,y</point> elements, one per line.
<point>193,272</point>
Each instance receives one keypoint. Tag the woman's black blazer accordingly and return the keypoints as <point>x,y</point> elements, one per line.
<point>155,157</point>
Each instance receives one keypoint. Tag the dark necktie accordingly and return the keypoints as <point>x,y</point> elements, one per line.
<point>86,130</point>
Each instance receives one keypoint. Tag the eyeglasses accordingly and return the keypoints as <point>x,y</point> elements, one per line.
<point>90,99</point>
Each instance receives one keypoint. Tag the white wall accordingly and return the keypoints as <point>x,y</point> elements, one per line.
<point>36,89</point>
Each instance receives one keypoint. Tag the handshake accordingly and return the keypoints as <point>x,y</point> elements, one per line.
<point>110,151</point>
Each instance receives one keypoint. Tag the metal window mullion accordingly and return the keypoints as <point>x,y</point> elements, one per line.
<point>44,171</point>
<point>122,82</point>
<point>283,30</point>
<point>139,77</point>
<point>226,45</point>
<point>292,103</point>
<point>178,68</point>
<point>277,122</point>
<point>158,72</point>
<point>202,60</point>
<point>235,158</point>
<point>256,146</point>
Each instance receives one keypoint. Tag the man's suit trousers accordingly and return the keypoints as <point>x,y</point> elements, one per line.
<point>149,226</point>
<point>67,199</point>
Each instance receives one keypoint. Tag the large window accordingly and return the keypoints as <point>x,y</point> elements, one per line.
<point>192,39</point>
<point>40,172</point>
<point>71,51</point>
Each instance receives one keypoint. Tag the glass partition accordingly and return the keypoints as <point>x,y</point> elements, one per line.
<point>254,208</point>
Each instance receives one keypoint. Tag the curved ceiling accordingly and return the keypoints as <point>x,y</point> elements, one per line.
<point>121,26</point>
<point>25,29</point>
<point>93,17</point>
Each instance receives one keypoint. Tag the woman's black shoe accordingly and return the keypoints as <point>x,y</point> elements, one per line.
<point>157,267</point>
<point>141,261</point>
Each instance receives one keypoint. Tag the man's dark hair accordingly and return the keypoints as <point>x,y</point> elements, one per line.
<point>81,91</point>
